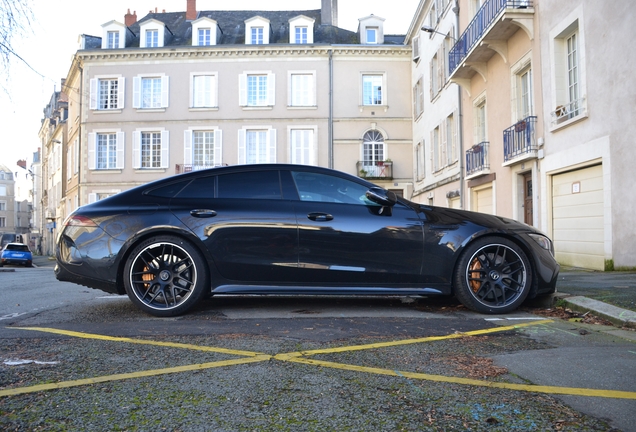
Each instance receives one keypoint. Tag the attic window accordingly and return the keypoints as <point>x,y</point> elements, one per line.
<point>257,36</point>
<point>152,38</point>
<point>204,36</point>
<point>257,31</point>
<point>372,35</point>
<point>301,30</point>
<point>113,39</point>
<point>300,36</point>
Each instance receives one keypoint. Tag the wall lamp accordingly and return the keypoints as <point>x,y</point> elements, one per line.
<point>428,29</point>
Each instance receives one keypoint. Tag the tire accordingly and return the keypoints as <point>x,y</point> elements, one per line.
<point>493,276</point>
<point>165,276</point>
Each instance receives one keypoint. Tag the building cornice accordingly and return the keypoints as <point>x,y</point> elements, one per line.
<point>136,54</point>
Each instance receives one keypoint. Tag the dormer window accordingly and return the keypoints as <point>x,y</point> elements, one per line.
<point>301,30</point>
<point>257,31</point>
<point>113,35</point>
<point>372,35</point>
<point>257,36</point>
<point>152,34</point>
<point>205,32</point>
<point>152,38</point>
<point>371,30</point>
<point>204,36</point>
<point>112,39</point>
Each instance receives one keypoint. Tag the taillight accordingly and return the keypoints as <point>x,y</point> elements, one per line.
<point>79,221</point>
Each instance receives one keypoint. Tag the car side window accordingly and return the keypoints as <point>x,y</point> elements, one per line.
<point>326,188</point>
<point>202,188</point>
<point>250,185</point>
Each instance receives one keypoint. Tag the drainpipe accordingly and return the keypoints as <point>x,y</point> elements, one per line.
<point>330,126</point>
<point>460,135</point>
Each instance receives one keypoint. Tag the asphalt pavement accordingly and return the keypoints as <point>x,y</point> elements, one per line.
<point>609,295</point>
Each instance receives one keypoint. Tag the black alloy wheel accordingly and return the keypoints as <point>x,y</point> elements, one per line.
<point>493,276</point>
<point>165,276</point>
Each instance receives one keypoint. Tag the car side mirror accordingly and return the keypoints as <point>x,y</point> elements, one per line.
<point>381,196</point>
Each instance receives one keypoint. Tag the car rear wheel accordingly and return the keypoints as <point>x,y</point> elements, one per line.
<point>493,276</point>
<point>165,276</point>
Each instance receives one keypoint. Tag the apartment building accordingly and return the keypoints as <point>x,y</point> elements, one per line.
<point>437,156</point>
<point>181,91</point>
<point>589,156</point>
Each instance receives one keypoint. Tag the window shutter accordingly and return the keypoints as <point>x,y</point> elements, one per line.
<point>456,126</point>
<point>136,92</point>
<point>121,83</point>
<point>136,151</point>
<point>93,93</point>
<point>271,89</point>
<point>312,90</point>
<point>443,159</point>
<point>416,48</point>
<point>218,156</point>
<point>92,197</point>
<point>119,156</point>
<point>271,146</point>
<point>241,147</point>
<point>243,90</point>
<point>187,147</point>
<point>165,147</point>
<point>92,138</point>
<point>165,91</point>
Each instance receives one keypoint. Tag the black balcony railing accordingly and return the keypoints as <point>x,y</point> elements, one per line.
<point>477,159</point>
<point>375,170</point>
<point>519,139</point>
<point>485,16</point>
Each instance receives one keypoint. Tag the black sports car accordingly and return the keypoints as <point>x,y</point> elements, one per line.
<point>290,229</point>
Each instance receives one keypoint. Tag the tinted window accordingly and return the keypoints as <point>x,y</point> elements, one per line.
<point>202,187</point>
<point>168,191</point>
<point>15,247</point>
<point>327,188</point>
<point>250,185</point>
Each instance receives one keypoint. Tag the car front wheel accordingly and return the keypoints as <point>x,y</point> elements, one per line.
<point>165,276</point>
<point>493,276</point>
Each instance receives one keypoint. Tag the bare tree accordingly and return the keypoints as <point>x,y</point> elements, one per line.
<point>15,20</point>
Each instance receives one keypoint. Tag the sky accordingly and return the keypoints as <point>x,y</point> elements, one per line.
<point>49,45</point>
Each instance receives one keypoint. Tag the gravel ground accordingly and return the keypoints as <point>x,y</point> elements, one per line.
<point>274,395</point>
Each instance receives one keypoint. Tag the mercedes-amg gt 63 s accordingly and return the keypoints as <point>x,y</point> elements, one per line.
<point>295,230</point>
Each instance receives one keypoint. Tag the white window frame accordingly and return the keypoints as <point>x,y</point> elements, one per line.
<point>303,144</point>
<point>152,25</point>
<point>269,143</point>
<point>164,91</point>
<point>269,98</point>
<point>102,194</point>
<point>189,147</point>
<point>93,149</point>
<point>257,23</point>
<point>111,28</point>
<point>112,39</point>
<point>163,152</point>
<point>96,94</point>
<point>420,161</point>
<point>301,21</point>
<point>372,35</point>
<point>566,110</point>
<point>205,23</point>
<point>305,96</point>
<point>480,119</point>
<point>211,97</point>
<point>383,88</point>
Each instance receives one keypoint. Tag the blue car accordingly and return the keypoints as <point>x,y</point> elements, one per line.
<point>16,254</point>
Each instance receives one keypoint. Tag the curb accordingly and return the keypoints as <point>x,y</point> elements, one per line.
<point>616,315</point>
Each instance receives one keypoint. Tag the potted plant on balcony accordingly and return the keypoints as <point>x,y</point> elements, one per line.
<point>363,173</point>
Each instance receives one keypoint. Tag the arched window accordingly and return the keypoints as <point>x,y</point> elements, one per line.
<point>372,148</point>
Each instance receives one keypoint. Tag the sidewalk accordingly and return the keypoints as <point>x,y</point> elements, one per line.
<point>610,295</point>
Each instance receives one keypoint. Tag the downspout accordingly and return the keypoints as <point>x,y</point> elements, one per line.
<point>79,134</point>
<point>462,156</point>
<point>330,125</point>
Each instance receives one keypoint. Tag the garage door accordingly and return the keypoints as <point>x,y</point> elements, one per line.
<point>482,200</point>
<point>577,218</point>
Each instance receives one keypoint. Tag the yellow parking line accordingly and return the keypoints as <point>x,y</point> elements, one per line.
<point>467,381</point>
<point>140,374</point>
<point>412,341</point>
<point>141,341</point>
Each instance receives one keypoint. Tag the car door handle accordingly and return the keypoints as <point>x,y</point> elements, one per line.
<point>320,217</point>
<point>203,213</point>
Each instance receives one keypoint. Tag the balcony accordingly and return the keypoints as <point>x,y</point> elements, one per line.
<point>520,142</point>
<point>494,23</point>
<point>369,170</point>
<point>477,160</point>
<point>568,111</point>
<point>184,168</point>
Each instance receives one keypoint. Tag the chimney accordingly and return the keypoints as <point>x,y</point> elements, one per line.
<point>191,10</point>
<point>329,12</point>
<point>130,19</point>
<point>22,163</point>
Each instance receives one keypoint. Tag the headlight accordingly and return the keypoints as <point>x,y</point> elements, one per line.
<point>542,241</point>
